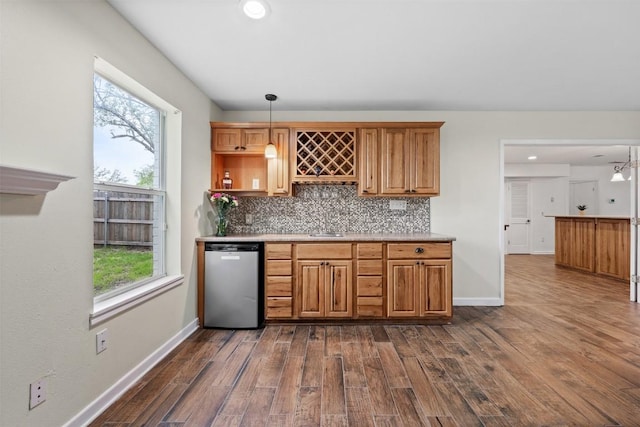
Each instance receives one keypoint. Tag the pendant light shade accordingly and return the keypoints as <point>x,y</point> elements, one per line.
<point>270,151</point>
<point>617,177</point>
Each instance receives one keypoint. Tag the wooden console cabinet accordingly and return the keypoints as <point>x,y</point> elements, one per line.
<point>597,245</point>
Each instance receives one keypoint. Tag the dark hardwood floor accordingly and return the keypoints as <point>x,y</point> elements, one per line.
<point>564,350</point>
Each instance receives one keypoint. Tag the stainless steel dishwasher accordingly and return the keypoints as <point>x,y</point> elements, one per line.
<point>233,285</point>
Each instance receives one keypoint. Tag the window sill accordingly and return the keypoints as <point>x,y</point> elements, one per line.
<point>105,310</point>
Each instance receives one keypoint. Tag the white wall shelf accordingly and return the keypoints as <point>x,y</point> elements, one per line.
<point>15,180</point>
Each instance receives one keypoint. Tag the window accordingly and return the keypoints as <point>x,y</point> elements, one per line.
<point>130,140</point>
<point>128,190</point>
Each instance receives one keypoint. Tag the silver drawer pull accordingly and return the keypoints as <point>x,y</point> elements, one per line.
<point>419,250</point>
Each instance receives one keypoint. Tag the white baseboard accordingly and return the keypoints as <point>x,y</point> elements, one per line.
<point>107,398</point>
<point>492,302</point>
<point>543,253</point>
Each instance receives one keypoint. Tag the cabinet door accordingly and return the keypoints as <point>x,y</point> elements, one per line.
<point>254,140</point>
<point>424,158</point>
<point>227,140</point>
<point>583,244</point>
<point>435,288</point>
<point>338,289</point>
<point>310,286</point>
<point>402,288</point>
<point>612,247</point>
<point>368,162</point>
<point>394,161</point>
<point>279,183</point>
<point>563,241</point>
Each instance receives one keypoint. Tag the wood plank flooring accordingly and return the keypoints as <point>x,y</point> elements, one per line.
<point>564,350</point>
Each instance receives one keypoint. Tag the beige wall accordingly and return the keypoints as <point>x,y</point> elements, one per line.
<point>47,58</point>
<point>469,205</point>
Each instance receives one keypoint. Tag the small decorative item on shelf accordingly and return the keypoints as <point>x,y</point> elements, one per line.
<point>581,209</point>
<point>227,182</point>
<point>223,202</point>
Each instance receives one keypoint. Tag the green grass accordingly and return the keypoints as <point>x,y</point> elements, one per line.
<point>113,267</point>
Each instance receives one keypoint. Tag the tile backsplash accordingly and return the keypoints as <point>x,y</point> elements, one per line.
<point>329,208</point>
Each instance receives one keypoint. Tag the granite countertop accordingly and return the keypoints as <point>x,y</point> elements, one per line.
<point>344,237</point>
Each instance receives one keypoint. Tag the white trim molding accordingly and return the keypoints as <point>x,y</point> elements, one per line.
<point>105,310</point>
<point>489,302</point>
<point>107,398</point>
<point>28,182</point>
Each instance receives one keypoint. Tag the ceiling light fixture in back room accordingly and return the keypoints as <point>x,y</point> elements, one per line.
<point>255,9</point>
<point>270,151</point>
<point>617,170</point>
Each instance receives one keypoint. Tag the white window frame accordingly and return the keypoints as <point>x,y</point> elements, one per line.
<point>111,304</point>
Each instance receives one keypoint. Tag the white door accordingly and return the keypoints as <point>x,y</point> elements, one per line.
<point>519,219</point>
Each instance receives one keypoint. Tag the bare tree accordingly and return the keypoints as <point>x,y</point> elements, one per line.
<point>106,175</point>
<point>126,115</point>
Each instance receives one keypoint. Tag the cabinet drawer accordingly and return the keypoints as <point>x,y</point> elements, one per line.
<point>369,286</point>
<point>279,307</point>
<point>278,251</point>
<point>369,250</point>
<point>418,250</point>
<point>324,251</point>
<point>278,268</point>
<point>369,267</point>
<point>369,306</point>
<point>279,286</point>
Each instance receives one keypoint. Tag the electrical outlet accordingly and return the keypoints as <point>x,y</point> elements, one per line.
<point>248,219</point>
<point>101,341</point>
<point>398,205</point>
<point>37,392</point>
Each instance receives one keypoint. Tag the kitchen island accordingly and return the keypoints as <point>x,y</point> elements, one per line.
<point>351,277</point>
<point>595,244</point>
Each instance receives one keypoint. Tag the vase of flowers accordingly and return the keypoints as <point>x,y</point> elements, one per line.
<point>581,209</point>
<point>222,202</point>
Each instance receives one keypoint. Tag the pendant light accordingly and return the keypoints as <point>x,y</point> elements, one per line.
<point>617,170</point>
<point>270,151</point>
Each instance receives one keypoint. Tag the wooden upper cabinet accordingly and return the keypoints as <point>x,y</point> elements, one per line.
<point>424,158</point>
<point>240,140</point>
<point>410,161</point>
<point>394,162</point>
<point>278,175</point>
<point>324,154</point>
<point>368,165</point>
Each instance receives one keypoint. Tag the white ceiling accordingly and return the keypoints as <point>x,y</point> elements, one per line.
<point>403,54</point>
<point>574,155</point>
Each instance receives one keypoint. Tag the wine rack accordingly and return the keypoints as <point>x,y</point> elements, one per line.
<point>325,155</point>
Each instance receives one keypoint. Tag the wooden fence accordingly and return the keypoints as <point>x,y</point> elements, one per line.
<point>124,219</point>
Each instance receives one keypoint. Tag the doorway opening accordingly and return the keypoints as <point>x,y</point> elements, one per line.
<point>533,193</point>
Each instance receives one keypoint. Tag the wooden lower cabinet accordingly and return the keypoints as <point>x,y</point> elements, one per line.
<point>358,280</point>
<point>595,245</point>
<point>613,240</point>
<point>419,283</point>
<point>278,281</point>
<point>325,288</point>
<point>419,288</point>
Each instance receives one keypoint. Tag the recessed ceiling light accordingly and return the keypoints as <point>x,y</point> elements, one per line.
<point>255,9</point>
<point>532,157</point>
